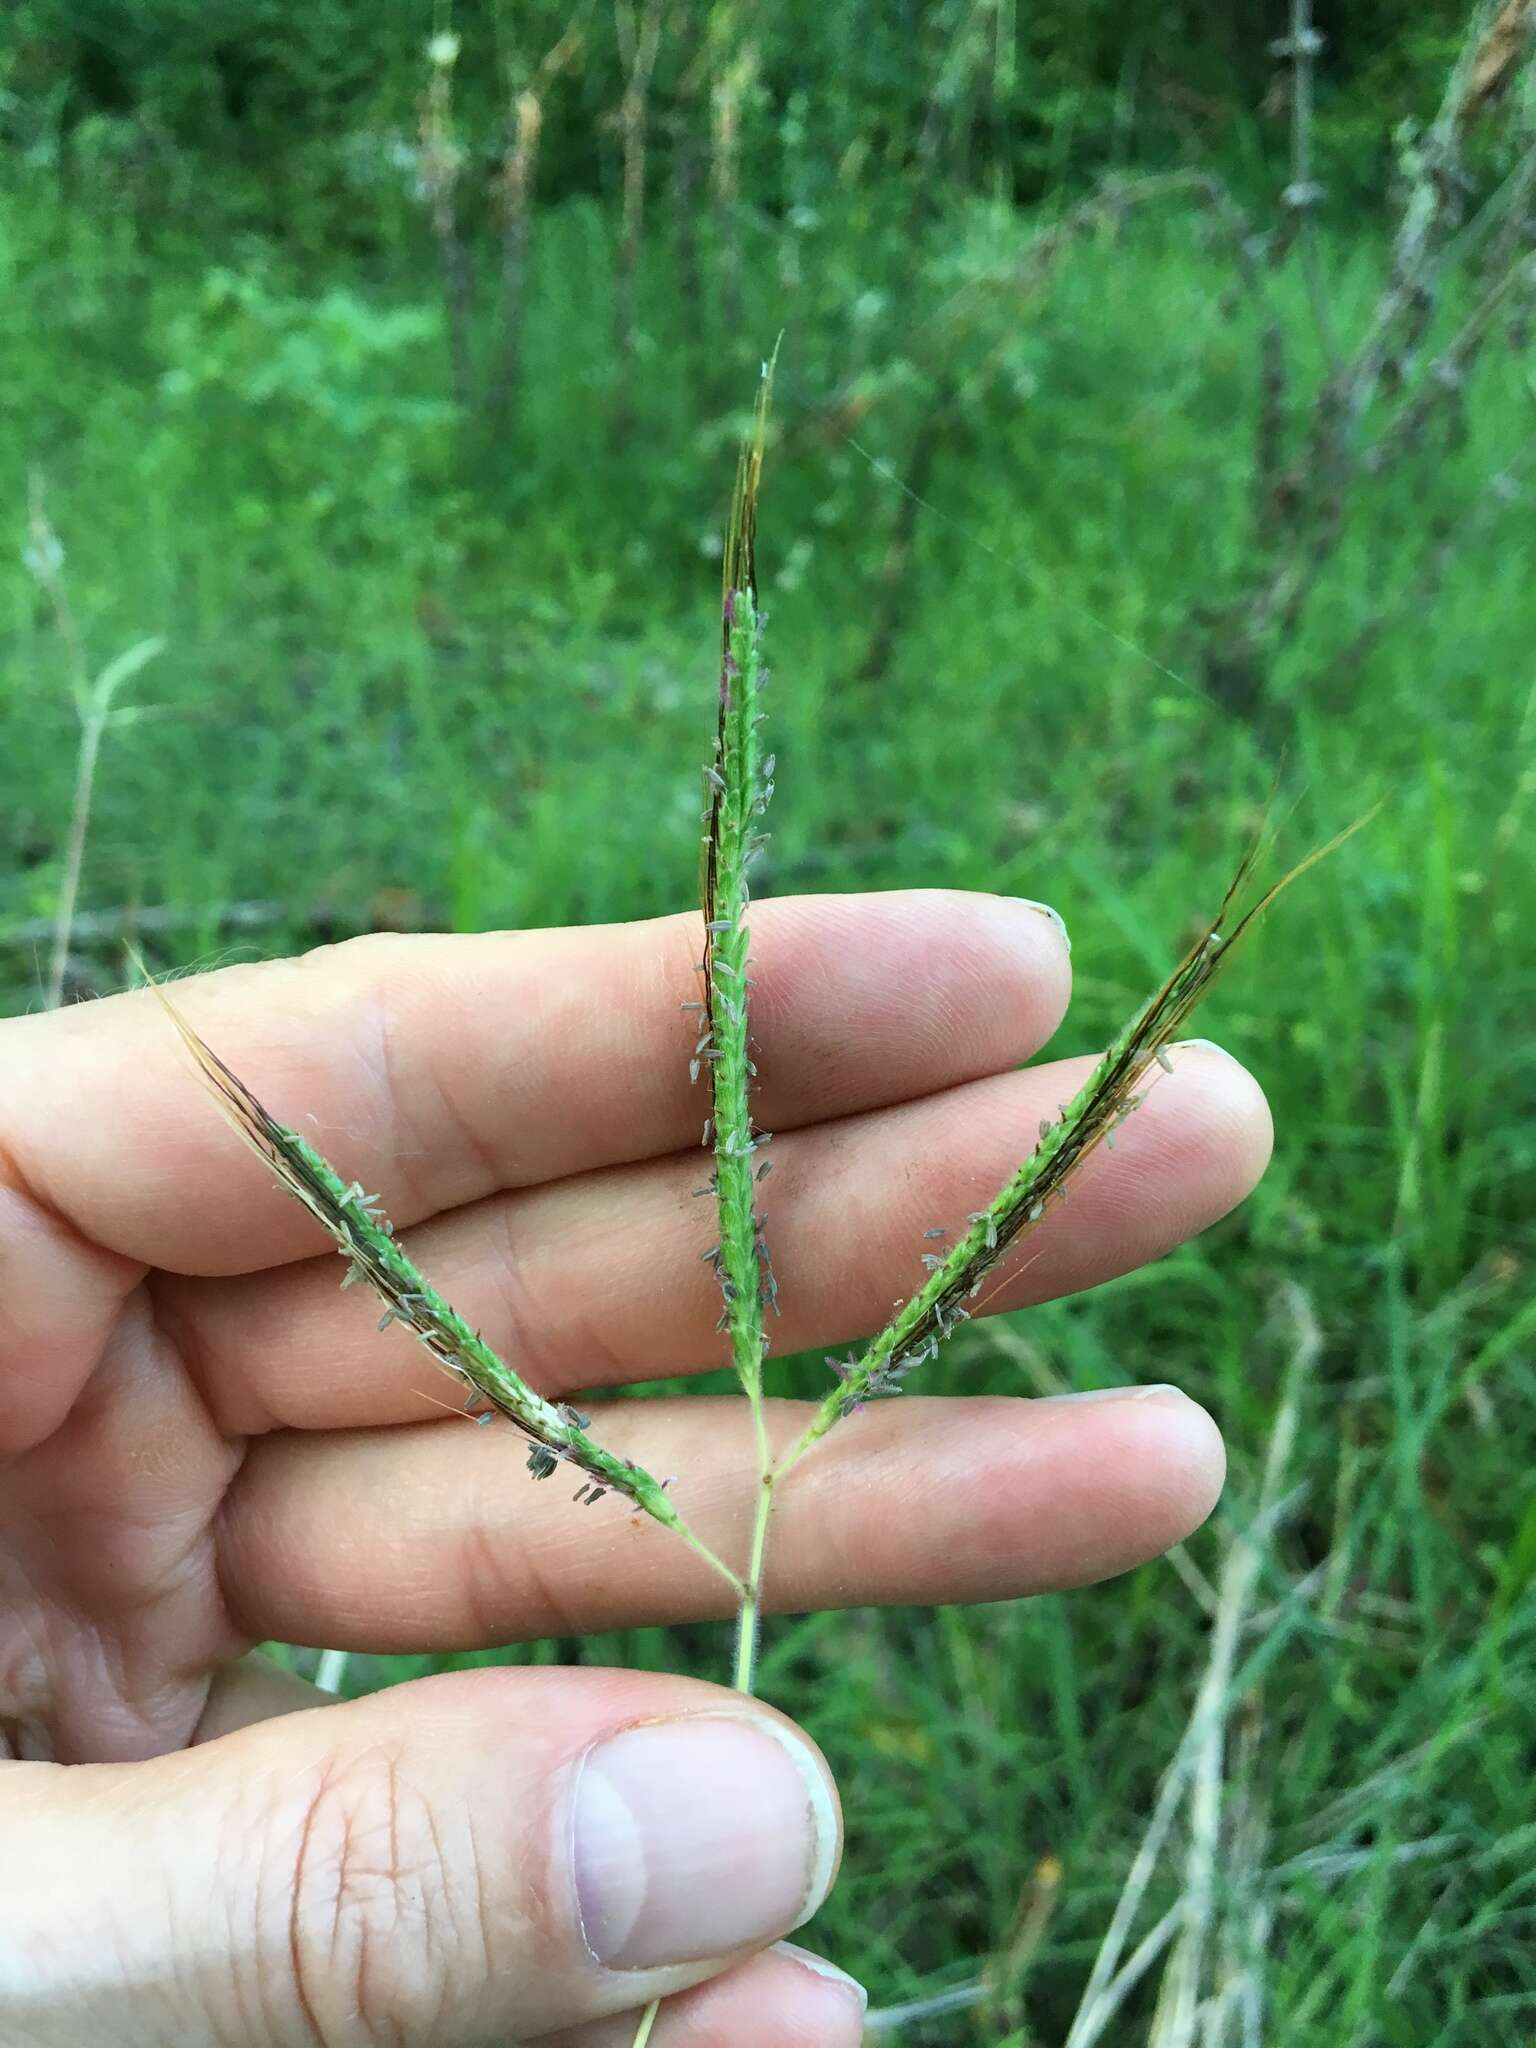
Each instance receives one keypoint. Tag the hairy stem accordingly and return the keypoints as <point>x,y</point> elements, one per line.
<point>749,1617</point>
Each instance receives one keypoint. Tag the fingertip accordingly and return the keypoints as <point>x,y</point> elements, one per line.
<point>1186,1463</point>
<point>1032,964</point>
<point>828,1996</point>
<point>1235,1113</point>
<point>1049,911</point>
<point>1010,952</point>
<point>979,982</point>
<point>1165,1452</point>
<point>784,1998</point>
<point>1082,1487</point>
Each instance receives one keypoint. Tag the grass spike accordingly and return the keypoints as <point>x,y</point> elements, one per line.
<point>738,784</point>
<point>353,1221</point>
<point>1107,1097</point>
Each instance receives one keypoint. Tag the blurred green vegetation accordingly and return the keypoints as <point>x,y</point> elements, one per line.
<point>286,106</point>
<point>432,662</point>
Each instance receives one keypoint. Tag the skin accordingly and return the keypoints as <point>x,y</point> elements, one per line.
<point>204,1443</point>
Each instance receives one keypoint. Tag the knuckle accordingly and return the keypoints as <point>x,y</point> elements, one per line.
<point>383,1921</point>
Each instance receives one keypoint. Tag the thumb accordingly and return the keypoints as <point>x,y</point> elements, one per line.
<point>488,1856</point>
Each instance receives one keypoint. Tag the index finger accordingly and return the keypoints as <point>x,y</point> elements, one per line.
<point>439,1069</point>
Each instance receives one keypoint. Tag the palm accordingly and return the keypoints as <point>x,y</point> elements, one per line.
<point>205,1443</point>
<point>112,1622</point>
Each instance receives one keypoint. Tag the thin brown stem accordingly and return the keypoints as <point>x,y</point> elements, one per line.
<point>519,168</point>
<point>440,172</point>
<point>1304,192</point>
<point>639,28</point>
<point>94,699</point>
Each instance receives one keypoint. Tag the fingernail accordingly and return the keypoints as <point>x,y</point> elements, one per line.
<point>1203,1045</point>
<point>1055,916</point>
<point>1112,1394</point>
<point>822,1968</point>
<point>698,1836</point>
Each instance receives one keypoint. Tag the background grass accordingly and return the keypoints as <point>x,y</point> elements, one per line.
<point>420,674</point>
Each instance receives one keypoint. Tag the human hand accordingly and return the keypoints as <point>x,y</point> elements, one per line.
<point>204,1443</point>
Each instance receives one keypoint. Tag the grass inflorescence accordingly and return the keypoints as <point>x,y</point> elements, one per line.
<point>739,784</point>
<point>360,1231</point>
<point>1111,1094</point>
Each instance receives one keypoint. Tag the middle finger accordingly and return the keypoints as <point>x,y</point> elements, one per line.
<point>601,1280</point>
<point>435,1538</point>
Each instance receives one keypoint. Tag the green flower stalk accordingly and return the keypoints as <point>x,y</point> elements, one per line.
<point>362,1234</point>
<point>1111,1093</point>
<point>739,785</point>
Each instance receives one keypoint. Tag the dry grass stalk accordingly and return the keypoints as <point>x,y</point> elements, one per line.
<point>638,24</point>
<point>1498,58</point>
<point>685,235</point>
<point>1238,2008</point>
<point>331,1669</point>
<point>96,709</point>
<point>895,2019</point>
<point>99,927</point>
<point>1138,1965</point>
<point>517,169</point>
<point>1009,1968</point>
<point>1196,1772</point>
<point>519,165</point>
<point>972,58</point>
<point>1303,193</point>
<point>1381,399</point>
<point>441,160</point>
<point>734,65</point>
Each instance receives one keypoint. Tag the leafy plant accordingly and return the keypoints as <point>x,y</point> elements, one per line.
<point>315,375</point>
<point>97,711</point>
